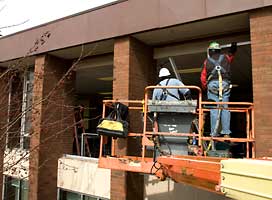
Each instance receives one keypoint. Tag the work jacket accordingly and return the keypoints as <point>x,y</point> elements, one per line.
<point>171,94</point>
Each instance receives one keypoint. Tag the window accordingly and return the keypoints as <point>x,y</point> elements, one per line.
<point>19,104</point>
<point>26,109</point>
<point>15,189</point>
<point>14,110</point>
<point>65,195</point>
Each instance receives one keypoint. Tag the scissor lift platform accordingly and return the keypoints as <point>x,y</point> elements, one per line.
<point>199,171</point>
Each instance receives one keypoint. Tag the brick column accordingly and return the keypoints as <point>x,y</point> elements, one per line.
<point>261,47</point>
<point>133,70</point>
<point>52,125</point>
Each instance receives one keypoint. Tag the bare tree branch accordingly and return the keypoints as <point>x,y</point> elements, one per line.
<point>13,25</point>
<point>46,124</point>
<point>3,7</point>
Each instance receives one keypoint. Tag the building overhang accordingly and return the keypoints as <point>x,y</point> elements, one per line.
<point>119,19</point>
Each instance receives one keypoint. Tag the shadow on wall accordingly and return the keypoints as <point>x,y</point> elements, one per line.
<point>169,190</point>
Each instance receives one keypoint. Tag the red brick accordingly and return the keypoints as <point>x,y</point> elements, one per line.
<point>49,119</point>
<point>261,38</point>
<point>133,70</point>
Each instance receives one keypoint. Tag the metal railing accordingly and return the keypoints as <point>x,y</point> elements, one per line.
<point>142,106</point>
<point>87,135</point>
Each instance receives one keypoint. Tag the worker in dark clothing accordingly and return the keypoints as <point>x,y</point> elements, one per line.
<point>170,94</point>
<point>216,78</point>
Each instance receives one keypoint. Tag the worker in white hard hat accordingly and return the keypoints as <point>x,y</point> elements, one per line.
<point>170,94</point>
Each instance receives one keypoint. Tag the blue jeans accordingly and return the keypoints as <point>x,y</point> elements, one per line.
<point>213,88</point>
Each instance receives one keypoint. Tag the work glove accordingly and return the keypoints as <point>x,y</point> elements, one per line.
<point>233,47</point>
<point>188,95</point>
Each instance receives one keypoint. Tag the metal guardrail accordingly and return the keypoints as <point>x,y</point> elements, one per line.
<point>90,135</point>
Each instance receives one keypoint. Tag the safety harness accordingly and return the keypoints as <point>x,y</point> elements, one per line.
<point>165,92</point>
<point>219,70</point>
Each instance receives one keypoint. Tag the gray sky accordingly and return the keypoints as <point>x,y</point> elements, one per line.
<point>36,12</point>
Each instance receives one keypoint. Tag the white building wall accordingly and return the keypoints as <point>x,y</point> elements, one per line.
<point>82,175</point>
<point>16,163</point>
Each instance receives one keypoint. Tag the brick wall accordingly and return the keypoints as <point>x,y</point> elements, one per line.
<point>261,45</point>
<point>133,70</point>
<point>52,126</point>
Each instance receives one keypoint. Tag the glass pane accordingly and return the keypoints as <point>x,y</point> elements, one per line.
<point>26,142</point>
<point>72,196</point>
<point>24,190</point>
<point>64,195</point>
<point>12,189</point>
<point>90,198</point>
<point>8,190</point>
<point>26,107</point>
<point>15,182</point>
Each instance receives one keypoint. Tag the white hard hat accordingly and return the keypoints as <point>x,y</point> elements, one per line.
<point>164,72</point>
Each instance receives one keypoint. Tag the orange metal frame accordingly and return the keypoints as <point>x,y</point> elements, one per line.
<point>199,171</point>
<point>242,107</point>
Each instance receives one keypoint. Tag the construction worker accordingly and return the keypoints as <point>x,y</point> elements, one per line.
<point>170,94</point>
<point>216,78</point>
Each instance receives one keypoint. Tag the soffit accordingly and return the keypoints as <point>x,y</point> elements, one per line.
<point>117,20</point>
<point>196,30</point>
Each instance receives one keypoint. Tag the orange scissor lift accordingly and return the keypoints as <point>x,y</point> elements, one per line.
<point>200,170</point>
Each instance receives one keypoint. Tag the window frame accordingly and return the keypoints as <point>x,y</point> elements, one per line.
<point>22,184</point>
<point>26,111</point>
<point>62,195</point>
<point>26,104</point>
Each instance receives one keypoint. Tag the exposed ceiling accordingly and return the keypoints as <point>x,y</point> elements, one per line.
<point>91,49</point>
<point>94,80</point>
<point>94,75</point>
